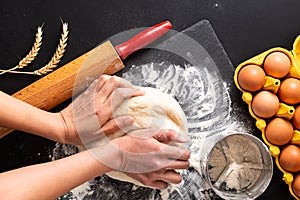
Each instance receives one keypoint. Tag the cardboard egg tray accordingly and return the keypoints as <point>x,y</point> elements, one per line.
<point>285,111</point>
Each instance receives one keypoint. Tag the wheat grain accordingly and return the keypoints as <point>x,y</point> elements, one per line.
<point>57,55</point>
<point>30,57</point>
<point>33,53</point>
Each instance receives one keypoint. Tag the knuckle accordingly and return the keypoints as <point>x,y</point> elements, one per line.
<point>157,164</point>
<point>98,114</point>
<point>118,93</point>
<point>103,77</point>
<point>113,79</point>
<point>104,111</point>
<point>155,147</point>
<point>154,164</point>
<point>122,94</point>
<point>114,125</point>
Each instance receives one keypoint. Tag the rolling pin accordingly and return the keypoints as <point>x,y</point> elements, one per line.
<point>72,78</point>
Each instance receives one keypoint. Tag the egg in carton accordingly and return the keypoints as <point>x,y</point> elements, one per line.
<point>270,83</point>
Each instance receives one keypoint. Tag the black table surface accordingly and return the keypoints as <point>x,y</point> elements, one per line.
<point>245,29</point>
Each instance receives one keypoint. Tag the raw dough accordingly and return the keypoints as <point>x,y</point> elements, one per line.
<point>155,109</point>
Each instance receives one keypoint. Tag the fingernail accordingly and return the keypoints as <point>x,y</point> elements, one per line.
<point>128,121</point>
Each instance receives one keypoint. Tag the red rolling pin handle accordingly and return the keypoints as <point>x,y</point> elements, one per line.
<point>143,39</point>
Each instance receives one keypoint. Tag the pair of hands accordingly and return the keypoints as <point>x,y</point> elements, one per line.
<point>142,154</point>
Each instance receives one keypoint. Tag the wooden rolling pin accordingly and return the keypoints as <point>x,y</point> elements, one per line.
<point>72,78</point>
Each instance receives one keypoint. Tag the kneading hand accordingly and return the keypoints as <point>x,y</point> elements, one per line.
<point>145,156</point>
<point>88,117</point>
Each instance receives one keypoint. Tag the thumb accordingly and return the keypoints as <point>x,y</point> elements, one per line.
<point>116,124</point>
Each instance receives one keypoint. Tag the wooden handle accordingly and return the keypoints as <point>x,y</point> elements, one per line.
<point>143,39</point>
<point>70,79</point>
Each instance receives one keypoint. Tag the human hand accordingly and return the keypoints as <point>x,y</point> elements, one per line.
<point>89,114</point>
<point>146,156</point>
<point>161,178</point>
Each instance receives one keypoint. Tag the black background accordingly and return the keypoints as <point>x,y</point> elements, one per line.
<point>245,29</point>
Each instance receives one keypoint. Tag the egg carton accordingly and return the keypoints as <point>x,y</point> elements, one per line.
<point>285,111</point>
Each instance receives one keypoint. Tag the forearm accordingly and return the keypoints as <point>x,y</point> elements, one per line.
<point>18,115</point>
<point>50,180</point>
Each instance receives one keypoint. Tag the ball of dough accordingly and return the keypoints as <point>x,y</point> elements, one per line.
<point>155,109</point>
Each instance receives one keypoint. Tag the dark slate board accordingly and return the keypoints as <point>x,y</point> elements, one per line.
<point>179,44</point>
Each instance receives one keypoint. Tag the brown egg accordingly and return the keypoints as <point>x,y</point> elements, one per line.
<point>289,158</point>
<point>251,78</point>
<point>279,131</point>
<point>277,64</point>
<point>265,104</point>
<point>289,91</point>
<point>296,185</point>
<point>296,118</point>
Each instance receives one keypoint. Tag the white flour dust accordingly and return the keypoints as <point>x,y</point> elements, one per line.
<point>205,99</point>
<point>201,93</point>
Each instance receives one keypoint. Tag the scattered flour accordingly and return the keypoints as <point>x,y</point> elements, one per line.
<point>205,99</point>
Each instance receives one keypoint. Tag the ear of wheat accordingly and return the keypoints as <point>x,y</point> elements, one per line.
<point>30,57</point>
<point>57,55</point>
<point>56,58</point>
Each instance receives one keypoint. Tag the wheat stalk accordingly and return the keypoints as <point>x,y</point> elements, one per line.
<point>57,55</point>
<point>52,63</point>
<point>31,55</point>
